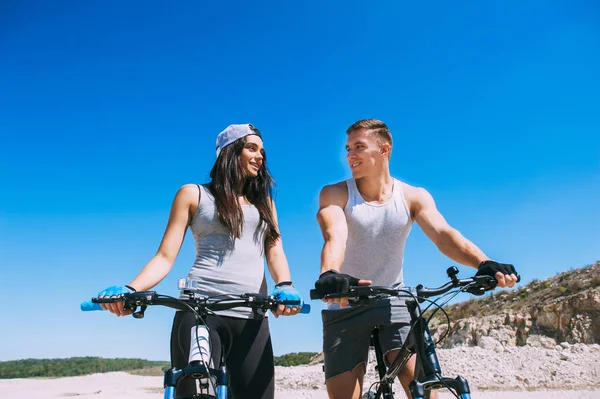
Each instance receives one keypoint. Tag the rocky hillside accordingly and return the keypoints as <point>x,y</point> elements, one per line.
<point>563,308</point>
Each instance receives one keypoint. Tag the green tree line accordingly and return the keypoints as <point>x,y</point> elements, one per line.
<point>294,359</point>
<point>72,366</point>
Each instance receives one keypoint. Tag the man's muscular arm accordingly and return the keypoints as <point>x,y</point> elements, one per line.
<point>333,225</point>
<point>449,240</point>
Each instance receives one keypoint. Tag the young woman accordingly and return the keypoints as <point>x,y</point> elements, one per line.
<point>234,224</point>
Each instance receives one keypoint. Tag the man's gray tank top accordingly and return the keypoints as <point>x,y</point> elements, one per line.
<point>225,265</point>
<point>377,235</point>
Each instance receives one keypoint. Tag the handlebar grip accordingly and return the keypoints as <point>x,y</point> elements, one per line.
<point>518,278</point>
<point>88,306</point>
<point>314,294</point>
<point>305,308</point>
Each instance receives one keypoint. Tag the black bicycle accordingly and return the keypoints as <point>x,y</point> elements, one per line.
<point>213,381</point>
<point>428,373</point>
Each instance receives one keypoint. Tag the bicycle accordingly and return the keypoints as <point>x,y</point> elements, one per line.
<point>428,373</point>
<point>213,381</point>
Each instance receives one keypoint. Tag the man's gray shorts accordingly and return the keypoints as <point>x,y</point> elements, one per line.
<point>347,333</point>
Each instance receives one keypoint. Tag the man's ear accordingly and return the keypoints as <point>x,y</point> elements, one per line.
<point>386,149</point>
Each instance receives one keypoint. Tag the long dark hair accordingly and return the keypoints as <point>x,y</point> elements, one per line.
<point>229,181</point>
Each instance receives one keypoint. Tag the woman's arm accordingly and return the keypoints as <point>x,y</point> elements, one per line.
<point>185,203</point>
<point>276,259</point>
<point>279,269</point>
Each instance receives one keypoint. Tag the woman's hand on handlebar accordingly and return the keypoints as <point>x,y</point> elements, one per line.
<point>116,292</point>
<point>285,291</point>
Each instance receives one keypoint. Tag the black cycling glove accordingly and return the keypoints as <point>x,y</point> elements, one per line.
<point>332,282</point>
<point>490,268</point>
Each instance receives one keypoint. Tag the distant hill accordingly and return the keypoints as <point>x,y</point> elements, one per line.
<point>294,359</point>
<point>29,368</point>
<point>565,307</point>
<point>72,366</point>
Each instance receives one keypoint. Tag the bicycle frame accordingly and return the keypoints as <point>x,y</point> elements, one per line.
<point>428,373</point>
<point>200,366</point>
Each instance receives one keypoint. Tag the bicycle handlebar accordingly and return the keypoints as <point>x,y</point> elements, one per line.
<point>152,298</point>
<point>477,286</point>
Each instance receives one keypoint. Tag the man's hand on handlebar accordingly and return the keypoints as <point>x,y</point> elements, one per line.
<point>333,282</point>
<point>505,274</point>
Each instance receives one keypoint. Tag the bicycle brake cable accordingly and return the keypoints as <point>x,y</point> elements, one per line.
<point>439,376</point>
<point>447,319</point>
<point>452,294</point>
<point>439,307</point>
<point>376,383</point>
<point>229,333</point>
<point>198,317</point>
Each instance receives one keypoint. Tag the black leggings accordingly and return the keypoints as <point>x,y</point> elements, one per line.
<point>250,362</point>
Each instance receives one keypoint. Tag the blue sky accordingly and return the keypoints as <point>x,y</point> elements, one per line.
<point>106,109</point>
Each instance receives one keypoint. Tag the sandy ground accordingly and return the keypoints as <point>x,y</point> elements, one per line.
<point>123,385</point>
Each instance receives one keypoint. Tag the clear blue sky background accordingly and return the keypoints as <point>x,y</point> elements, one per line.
<point>107,108</point>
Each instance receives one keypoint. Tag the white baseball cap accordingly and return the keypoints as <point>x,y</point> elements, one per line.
<point>233,133</point>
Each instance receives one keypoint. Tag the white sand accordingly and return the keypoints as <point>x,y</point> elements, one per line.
<point>125,386</point>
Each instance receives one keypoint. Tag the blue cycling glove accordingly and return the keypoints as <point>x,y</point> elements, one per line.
<point>285,291</point>
<point>116,291</point>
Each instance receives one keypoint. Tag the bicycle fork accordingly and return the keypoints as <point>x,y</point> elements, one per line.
<point>418,390</point>
<point>200,366</point>
<point>461,396</point>
<point>429,373</point>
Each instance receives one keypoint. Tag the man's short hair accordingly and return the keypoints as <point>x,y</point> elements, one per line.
<point>376,127</point>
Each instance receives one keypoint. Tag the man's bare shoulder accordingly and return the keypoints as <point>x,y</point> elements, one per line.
<point>416,197</point>
<point>336,188</point>
<point>413,192</point>
<point>334,194</point>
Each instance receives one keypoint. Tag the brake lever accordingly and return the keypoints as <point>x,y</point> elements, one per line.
<point>359,293</point>
<point>366,299</point>
<point>141,299</point>
<point>335,296</point>
<point>488,282</point>
<point>140,313</point>
<point>476,290</point>
<point>482,284</point>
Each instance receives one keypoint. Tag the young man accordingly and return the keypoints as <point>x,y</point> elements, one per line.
<point>365,222</point>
